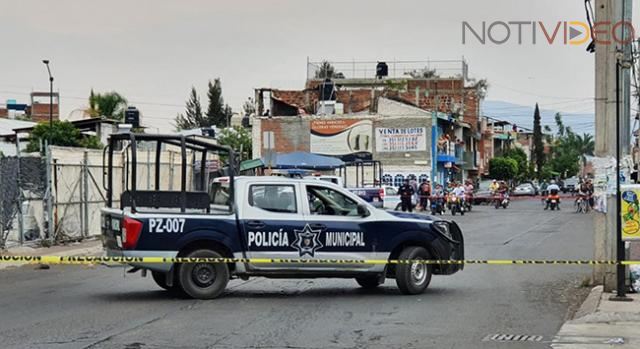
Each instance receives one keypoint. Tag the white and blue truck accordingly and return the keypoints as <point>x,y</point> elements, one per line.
<point>279,219</point>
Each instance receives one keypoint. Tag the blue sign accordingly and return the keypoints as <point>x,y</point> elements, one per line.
<point>629,196</point>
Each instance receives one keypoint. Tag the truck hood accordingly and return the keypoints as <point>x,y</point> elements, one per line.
<point>406,215</point>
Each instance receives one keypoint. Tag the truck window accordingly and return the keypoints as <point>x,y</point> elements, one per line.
<point>219,195</point>
<point>327,201</point>
<point>273,197</point>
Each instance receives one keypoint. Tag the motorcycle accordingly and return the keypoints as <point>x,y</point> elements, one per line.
<point>553,200</point>
<point>456,205</point>
<point>501,200</point>
<point>437,205</point>
<point>468,201</point>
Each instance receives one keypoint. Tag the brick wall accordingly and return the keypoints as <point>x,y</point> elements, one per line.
<point>290,133</point>
<point>40,112</point>
<point>4,113</point>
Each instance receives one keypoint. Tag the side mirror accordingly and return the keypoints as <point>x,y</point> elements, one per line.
<point>363,211</point>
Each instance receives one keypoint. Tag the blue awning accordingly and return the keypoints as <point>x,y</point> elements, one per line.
<point>303,160</point>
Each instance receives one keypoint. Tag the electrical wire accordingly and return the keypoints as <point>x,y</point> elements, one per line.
<point>588,8</point>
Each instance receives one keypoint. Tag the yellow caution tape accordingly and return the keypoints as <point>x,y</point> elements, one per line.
<point>156,260</point>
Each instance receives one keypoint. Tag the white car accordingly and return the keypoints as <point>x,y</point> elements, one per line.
<point>391,198</point>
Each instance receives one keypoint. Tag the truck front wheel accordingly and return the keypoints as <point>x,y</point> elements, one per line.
<point>413,278</point>
<point>203,280</point>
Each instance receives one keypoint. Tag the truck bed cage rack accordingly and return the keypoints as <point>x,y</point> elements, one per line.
<point>183,199</point>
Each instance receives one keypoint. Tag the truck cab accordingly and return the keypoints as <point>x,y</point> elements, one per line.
<point>302,228</point>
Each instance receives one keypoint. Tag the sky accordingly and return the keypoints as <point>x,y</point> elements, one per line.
<point>153,52</point>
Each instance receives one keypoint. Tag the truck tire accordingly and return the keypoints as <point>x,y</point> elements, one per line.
<point>413,278</point>
<point>203,280</point>
<point>368,282</point>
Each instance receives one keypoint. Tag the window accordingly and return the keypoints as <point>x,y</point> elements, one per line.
<point>326,201</point>
<point>423,177</point>
<point>398,180</point>
<point>219,195</point>
<point>387,179</point>
<point>273,198</point>
<point>411,177</point>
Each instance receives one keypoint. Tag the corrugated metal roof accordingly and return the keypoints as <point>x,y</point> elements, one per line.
<point>7,125</point>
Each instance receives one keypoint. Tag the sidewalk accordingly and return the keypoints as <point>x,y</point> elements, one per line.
<point>601,323</point>
<point>85,248</point>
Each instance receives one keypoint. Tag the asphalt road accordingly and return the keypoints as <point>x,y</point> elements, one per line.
<point>99,307</point>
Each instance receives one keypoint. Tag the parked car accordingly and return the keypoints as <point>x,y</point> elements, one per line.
<point>525,189</point>
<point>570,184</point>
<point>391,198</point>
<point>482,194</point>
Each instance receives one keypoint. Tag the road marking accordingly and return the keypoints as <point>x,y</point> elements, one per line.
<point>512,338</point>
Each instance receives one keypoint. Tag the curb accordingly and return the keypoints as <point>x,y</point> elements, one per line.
<point>590,304</point>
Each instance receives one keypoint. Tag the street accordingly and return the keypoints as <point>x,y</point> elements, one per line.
<point>100,307</point>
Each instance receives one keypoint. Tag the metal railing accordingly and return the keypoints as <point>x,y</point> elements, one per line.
<point>396,69</point>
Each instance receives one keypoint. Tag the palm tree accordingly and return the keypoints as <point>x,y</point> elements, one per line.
<point>110,105</point>
<point>585,144</point>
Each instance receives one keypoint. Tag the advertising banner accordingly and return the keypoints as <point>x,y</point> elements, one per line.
<point>629,211</point>
<point>401,139</point>
<point>341,136</point>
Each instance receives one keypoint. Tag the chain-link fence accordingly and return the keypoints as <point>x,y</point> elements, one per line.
<point>76,178</point>
<point>23,185</point>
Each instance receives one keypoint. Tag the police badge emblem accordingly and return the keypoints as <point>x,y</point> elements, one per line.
<point>307,241</point>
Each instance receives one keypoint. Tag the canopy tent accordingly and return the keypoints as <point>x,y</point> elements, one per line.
<point>303,160</point>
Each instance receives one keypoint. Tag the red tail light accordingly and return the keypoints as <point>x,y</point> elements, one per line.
<point>381,193</point>
<point>131,229</point>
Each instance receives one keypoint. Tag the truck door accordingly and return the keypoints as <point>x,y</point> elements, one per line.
<point>343,233</point>
<point>271,215</point>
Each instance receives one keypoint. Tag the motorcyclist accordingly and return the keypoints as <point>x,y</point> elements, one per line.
<point>584,193</point>
<point>493,187</point>
<point>553,189</point>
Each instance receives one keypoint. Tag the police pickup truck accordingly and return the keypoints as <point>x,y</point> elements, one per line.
<point>280,219</point>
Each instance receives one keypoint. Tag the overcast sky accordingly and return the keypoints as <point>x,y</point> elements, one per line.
<point>154,51</point>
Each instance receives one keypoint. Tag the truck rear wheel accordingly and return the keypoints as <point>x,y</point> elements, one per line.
<point>415,277</point>
<point>368,282</point>
<point>203,280</point>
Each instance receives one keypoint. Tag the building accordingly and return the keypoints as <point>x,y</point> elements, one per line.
<point>37,110</point>
<point>387,118</point>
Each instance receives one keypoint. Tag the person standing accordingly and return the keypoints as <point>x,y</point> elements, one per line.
<point>425,192</point>
<point>406,194</point>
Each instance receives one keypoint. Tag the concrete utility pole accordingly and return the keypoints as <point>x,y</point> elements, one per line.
<point>610,11</point>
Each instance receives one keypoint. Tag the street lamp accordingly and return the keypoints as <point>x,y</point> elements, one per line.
<point>46,62</point>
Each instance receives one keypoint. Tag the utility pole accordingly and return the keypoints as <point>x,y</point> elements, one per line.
<point>607,107</point>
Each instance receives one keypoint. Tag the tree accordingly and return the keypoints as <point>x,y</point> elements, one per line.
<point>218,113</point>
<point>193,117</point>
<point>63,133</point>
<point>568,149</point>
<point>520,157</point>
<point>425,73</point>
<point>538,145</point>
<point>238,139</point>
<point>503,168</point>
<point>328,71</point>
<point>109,104</point>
